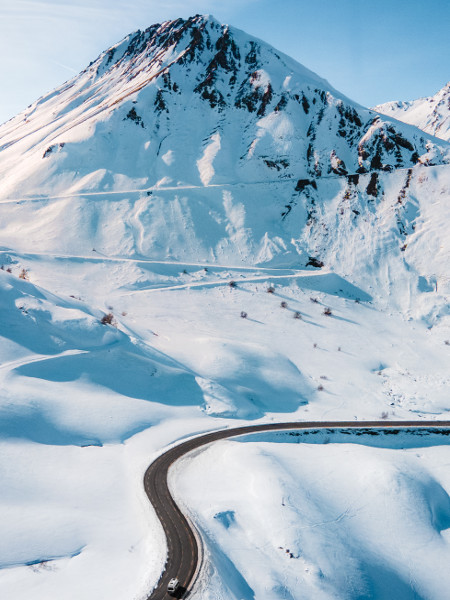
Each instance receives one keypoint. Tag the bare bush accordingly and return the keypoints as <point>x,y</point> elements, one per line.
<point>271,289</point>
<point>297,315</point>
<point>283,304</point>
<point>232,284</point>
<point>314,300</point>
<point>384,415</point>
<point>107,319</point>
<point>23,274</point>
<point>327,312</point>
<point>244,314</point>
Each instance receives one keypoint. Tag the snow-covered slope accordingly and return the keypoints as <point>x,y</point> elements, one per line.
<point>187,172</point>
<point>322,516</point>
<point>430,114</point>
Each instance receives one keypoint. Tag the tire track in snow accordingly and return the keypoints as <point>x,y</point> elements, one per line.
<point>200,284</point>
<point>99,257</point>
<point>151,189</point>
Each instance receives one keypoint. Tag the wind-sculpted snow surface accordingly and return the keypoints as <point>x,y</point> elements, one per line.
<point>196,232</point>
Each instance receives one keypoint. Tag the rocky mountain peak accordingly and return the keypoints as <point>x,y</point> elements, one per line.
<point>196,102</point>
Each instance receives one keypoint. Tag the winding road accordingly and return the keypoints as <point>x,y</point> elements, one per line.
<point>182,541</point>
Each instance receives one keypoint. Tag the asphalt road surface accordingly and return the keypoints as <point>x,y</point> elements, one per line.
<point>183,550</point>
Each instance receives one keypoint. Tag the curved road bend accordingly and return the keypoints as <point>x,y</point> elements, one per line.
<point>183,551</point>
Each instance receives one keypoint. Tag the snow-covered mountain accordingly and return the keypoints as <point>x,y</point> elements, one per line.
<point>147,207</point>
<point>209,145</point>
<point>197,103</point>
<point>430,114</point>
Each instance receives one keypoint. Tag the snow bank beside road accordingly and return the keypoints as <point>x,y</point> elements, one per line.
<point>286,520</point>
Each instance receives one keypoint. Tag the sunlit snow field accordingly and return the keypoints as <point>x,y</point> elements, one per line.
<point>87,406</point>
<point>339,518</point>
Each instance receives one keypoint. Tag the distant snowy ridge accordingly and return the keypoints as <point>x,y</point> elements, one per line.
<point>194,102</point>
<point>431,114</point>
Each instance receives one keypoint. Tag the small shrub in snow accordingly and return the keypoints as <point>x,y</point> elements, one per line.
<point>327,312</point>
<point>107,319</point>
<point>320,388</point>
<point>133,116</point>
<point>270,289</point>
<point>232,284</point>
<point>314,262</point>
<point>297,315</point>
<point>283,304</point>
<point>384,415</point>
<point>314,345</point>
<point>23,274</point>
<point>447,342</point>
<point>314,300</point>
<point>244,314</point>
<point>8,270</point>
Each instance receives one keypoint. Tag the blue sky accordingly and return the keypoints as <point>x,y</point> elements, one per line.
<point>372,51</point>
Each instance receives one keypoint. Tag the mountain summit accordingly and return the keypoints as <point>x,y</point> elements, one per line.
<point>194,102</point>
<point>193,141</point>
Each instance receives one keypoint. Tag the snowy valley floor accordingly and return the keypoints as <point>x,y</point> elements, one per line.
<point>85,408</point>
